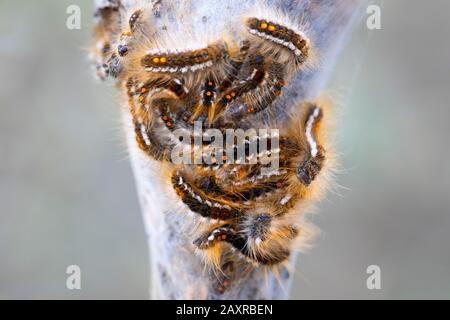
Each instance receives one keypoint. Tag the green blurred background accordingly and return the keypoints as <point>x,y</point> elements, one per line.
<point>67,194</point>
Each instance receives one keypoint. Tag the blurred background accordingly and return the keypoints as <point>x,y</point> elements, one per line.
<point>67,194</point>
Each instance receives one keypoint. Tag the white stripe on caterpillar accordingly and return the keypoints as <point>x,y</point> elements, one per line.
<point>309,127</point>
<point>288,45</point>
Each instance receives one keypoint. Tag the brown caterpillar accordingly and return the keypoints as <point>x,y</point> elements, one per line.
<point>259,87</point>
<point>178,61</point>
<point>280,35</point>
<point>199,203</point>
<point>107,19</point>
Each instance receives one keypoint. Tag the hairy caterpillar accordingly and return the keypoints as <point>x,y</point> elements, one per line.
<point>245,214</point>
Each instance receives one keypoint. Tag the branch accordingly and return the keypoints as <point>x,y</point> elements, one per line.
<point>178,272</point>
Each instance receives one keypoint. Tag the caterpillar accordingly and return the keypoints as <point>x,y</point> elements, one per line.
<point>283,38</point>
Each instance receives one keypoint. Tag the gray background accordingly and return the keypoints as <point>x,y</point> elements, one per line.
<point>67,195</point>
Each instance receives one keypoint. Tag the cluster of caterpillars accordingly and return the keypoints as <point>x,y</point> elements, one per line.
<point>222,85</point>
